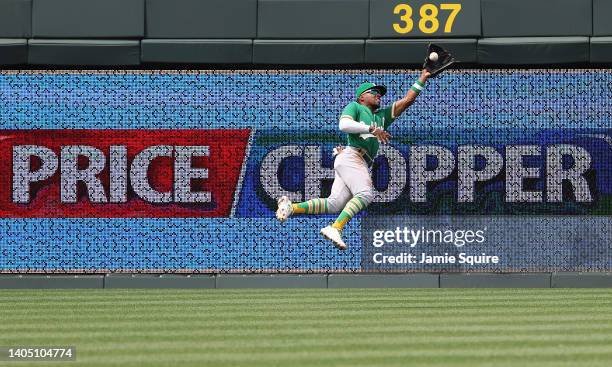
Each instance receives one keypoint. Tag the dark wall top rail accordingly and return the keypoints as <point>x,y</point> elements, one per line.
<point>302,32</point>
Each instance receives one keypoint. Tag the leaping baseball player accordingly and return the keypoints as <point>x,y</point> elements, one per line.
<point>366,125</point>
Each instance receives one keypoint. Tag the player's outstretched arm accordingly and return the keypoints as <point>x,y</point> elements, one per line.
<point>402,104</point>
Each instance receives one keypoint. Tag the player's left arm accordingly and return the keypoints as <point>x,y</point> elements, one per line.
<point>402,104</point>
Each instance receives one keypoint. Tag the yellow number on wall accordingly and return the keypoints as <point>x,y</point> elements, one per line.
<point>429,14</point>
<point>406,18</point>
<point>428,23</point>
<point>454,8</point>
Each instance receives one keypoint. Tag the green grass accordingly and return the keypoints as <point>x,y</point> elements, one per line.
<point>364,327</point>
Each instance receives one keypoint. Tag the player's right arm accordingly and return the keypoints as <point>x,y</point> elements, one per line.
<point>349,120</point>
<point>350,125</point>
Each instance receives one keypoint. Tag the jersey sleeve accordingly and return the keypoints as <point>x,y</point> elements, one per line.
<point>387,115</point>
<point>351,111</point>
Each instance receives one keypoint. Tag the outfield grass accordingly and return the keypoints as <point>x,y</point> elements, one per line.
<point>326,327</point>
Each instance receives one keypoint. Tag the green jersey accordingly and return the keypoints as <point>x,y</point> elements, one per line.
<point>360,113</point>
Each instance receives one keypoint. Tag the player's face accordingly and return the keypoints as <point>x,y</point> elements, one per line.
<point>371,98</point>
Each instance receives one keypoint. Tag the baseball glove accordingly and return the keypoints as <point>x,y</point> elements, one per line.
<point>445,60</point>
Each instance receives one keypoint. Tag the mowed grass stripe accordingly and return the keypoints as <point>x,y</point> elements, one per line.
<point>340,320</point>
<point>288,295</point>
<point>329,306</point>
<point>306,330</point>
<point>283,312</point>
<point>312,304</point>
<point>380,341</point>
<point>157,354</point>
<point>286,292</point>
<point>371,359</point>
<point>315,327</point>
<point>300,301</point>
<point>34,317</point>
<point>316,303</point>
<point>350,327</point>
<point>333,317</point>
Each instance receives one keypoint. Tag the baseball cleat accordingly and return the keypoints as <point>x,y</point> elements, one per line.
<point>285,209</point>
<point>335,236</point>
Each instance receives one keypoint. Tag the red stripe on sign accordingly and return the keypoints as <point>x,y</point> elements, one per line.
<point>35,163</point>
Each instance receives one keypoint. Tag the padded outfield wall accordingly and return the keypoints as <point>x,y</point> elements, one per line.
<point>162,171</point>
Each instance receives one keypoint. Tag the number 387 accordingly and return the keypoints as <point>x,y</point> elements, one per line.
<point>428,21</point>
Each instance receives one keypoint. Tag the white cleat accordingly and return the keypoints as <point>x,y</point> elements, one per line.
<point>284,210</point>
<point>335,236</point>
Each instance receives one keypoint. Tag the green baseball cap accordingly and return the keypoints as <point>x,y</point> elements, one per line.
<point>364,87</point>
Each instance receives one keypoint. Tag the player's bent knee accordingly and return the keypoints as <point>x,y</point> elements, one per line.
<point>367,196</point>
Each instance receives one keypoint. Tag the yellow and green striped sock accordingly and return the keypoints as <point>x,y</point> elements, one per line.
<point>314,206</point>
<point>354,206</point>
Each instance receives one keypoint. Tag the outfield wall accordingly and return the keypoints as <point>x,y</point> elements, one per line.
<point>183,169</point>
<point>302,32</point>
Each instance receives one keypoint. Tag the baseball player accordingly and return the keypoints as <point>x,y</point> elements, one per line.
<point>366,125</point>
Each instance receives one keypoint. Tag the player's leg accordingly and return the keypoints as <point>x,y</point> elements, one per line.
<point>314,206</point>
<point>340,195</point>
<point>353,172</point>
<point>357,178</point>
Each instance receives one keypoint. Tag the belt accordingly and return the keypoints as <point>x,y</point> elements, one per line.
<point>363,153</point>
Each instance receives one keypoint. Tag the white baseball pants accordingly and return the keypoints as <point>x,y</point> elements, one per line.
<point>352,178</point>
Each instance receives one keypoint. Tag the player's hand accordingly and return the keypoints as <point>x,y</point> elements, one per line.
<point>425,74</point>
<point>381,135</point>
